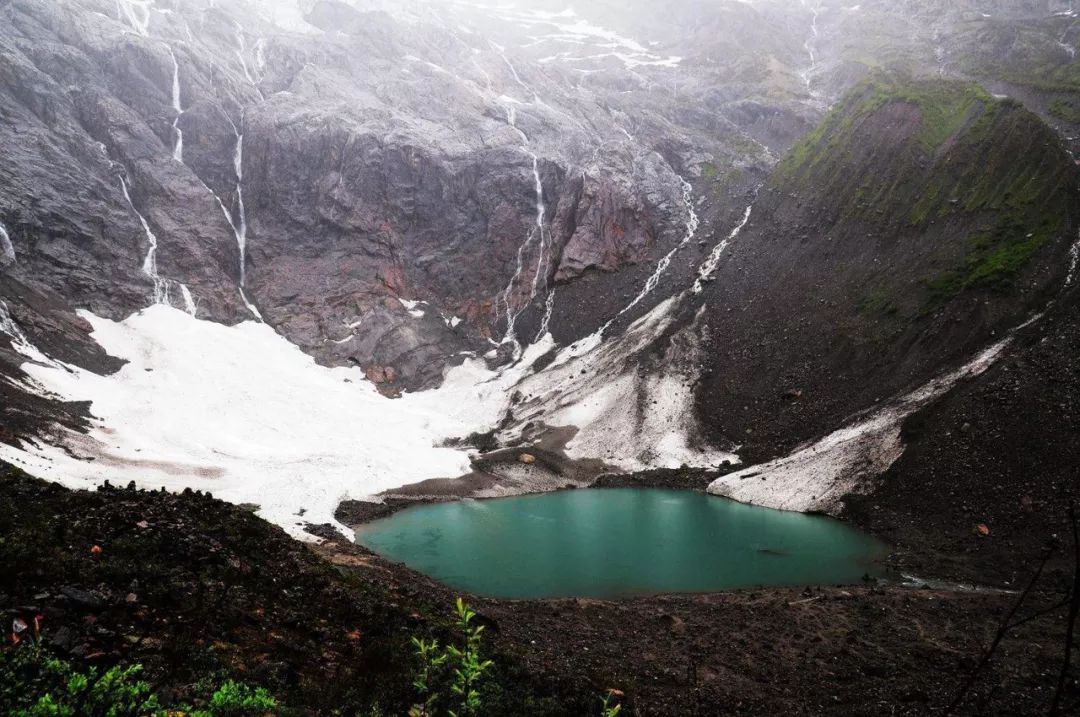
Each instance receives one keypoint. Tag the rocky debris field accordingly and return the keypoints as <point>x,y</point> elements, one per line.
<point>1002,452</point>
<point>192,588</point>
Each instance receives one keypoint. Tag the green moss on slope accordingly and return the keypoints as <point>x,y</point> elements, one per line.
<point>910,158</point>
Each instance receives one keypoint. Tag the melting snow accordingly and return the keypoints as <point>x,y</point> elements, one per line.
<point>598,388</point>
<point>818,476</point>
<point>413,307</point>
<point>242,413</point>
<point>708,268</point>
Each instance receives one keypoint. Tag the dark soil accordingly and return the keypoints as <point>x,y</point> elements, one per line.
<point>1001,451</point>
<point>192,587</point>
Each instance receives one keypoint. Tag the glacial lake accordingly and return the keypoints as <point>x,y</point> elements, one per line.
<point>618,542</point>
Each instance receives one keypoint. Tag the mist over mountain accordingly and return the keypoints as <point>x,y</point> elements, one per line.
<point>326,258</point>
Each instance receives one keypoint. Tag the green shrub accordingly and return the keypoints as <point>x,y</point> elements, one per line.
<point>35,684</point>
<point>449,677</point>
<point>235,699</point>
<point>612,705</point>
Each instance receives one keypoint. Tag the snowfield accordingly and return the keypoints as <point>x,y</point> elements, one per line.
<point>242,413</point>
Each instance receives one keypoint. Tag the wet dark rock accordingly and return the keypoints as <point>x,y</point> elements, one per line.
<point>82,599</point>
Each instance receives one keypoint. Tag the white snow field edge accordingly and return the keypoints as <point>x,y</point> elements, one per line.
<point>244,414</point>
<point>818,476</point>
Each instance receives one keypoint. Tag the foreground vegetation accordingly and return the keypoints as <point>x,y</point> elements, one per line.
<point>35,683</point>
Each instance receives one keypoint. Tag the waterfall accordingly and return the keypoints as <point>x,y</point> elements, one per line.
<point>692,224</point>
<point>7,249</point>
<point>540,213</point>
<point>19,342</point>
<point>241,54</point>
<point>189,301</point>
<point>260,58</point>
<point>511,316</point>
<point>239,222</point>
<point>162,293</point>
<point>241,229</point>
<point>178,148</point>
<point>809,46</point>
<point>549,307</point>
<point>149,267</point>
<point>539,230</point>
<point>1074,260</point>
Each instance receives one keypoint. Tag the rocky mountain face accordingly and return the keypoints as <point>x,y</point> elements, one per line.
<point>875,256</point>
<point>328,175</point>
<point>659,235</point>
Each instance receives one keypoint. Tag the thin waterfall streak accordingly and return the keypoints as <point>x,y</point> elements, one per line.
<point>542,261</point>
<point>541,212</point>
<point>241,229</point>
<point>178,147</point>
<point>129,10</point>
<point>189,300</point>
<point>7,248</point>
<point>653,281</point>
<point>149,266</point>
<point>238,222</point>
<point>549,308</point>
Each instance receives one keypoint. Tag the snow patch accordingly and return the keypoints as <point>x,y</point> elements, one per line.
<point>631,419</point>
<point>818,476</point>
<point>413,307</point>
<point>242,413</point>
<point>708,267</point>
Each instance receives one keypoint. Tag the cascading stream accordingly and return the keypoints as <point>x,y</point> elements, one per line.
<point>539,231</point>
<point>708,267</point>
<point>809,46</point>
<point>178,147</point>
<point>241,229</point>
<point>137,14</point>
<point>241,54</point>
<point>189,301</point>
<point>692,224</point>
<point>149,266</point>
<point>7,248</point>
<point>239,222</point>
<point>549,307</point>
<point>540,216</point>
<point>19,342</point>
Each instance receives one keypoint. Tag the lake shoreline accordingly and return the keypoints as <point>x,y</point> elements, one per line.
<point>752,651</point>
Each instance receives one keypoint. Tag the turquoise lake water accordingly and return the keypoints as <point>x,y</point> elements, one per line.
<point>619,542</point>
